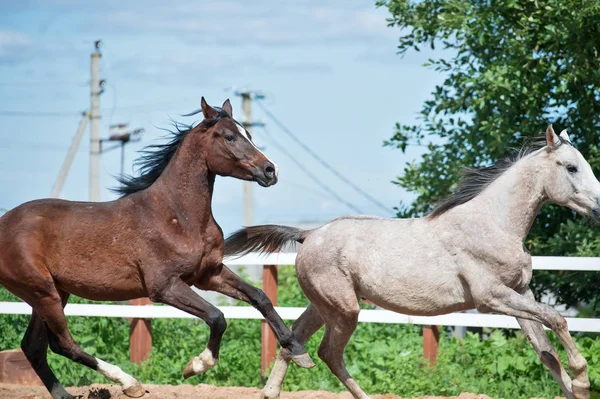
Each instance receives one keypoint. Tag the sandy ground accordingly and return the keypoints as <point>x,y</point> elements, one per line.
<point>9,391</point>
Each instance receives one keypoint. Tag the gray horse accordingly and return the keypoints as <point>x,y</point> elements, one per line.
<point>467,253</point>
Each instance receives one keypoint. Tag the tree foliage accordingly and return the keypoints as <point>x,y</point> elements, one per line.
<point>511,67</point>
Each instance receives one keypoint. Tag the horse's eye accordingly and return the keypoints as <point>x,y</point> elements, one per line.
<point>230,137</point>
<point>572,168</point>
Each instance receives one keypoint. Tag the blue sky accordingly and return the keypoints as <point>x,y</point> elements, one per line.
<point>329,70</point>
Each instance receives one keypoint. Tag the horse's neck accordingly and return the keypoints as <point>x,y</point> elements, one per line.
<point>514,199</point>
<point>188,186</point>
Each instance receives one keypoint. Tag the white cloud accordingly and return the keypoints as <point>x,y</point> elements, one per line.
<point>265,23</point>
<point>13,46</point>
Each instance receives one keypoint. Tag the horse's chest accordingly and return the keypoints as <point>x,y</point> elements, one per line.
<point>515,273</point>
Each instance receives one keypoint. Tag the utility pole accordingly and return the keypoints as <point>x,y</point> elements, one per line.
<point>269,274</point>
<point>64,170</point>
<point>120,133</point>
<point>247,97</point>
<point>95,91</point>
<point>248,198</point>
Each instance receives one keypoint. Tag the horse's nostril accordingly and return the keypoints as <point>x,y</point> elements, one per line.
<point>269,170</point>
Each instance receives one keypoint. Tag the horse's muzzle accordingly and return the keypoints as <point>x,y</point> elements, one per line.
<point>267,176</point>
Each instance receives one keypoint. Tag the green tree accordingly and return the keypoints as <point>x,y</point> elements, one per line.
<point>511,68</point>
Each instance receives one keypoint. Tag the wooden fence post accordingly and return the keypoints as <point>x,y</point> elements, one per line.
<point>140,335</point>
<point>268,341</point>
<point>431,337</point>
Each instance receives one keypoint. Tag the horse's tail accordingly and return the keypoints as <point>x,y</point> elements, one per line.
<point>265,238</point>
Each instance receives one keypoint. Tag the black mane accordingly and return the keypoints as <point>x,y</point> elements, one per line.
<point>474,181</point>
<point>156,157</point>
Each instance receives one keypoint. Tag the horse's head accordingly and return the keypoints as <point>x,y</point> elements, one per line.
<point>230,150</point>
<point>571,181</point>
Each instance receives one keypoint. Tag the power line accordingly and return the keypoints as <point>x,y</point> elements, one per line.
<point>314,192</point>
<point>309,174</point>
<point>31,145</point>
<point>324,163</point>
<point>39,113</point>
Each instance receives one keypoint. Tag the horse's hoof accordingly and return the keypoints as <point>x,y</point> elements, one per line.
<point>199,364</point>
<point>188,370</point>
<point>581,390</point>
<point>303,361</point>
<point>269,394</point>
<point>135,391</point>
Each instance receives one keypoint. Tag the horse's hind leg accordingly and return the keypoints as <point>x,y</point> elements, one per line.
<point>50,309</point>
<point>339,309</point>
<point>303,328</point>
<point>35,347</point>
<point>338,330</point>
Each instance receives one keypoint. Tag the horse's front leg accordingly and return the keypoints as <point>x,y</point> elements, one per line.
<point>228,283</point>
<point>543,347</point>
<point>179,295</point>
<point>502,299</point>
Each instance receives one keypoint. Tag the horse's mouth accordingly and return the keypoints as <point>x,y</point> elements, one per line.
<point>265,182</point>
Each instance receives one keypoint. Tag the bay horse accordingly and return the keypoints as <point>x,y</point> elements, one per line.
<point>467,253</point>
<point>156,241</point>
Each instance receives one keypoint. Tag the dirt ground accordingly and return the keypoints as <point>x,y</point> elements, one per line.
<point>9,391</point>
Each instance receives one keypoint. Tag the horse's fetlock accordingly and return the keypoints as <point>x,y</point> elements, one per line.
<point>581,388</point>
<point>285,354</point>
<point>578,365</point>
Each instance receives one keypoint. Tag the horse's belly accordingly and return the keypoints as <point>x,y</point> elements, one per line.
<point>418,295</point>
<point>109,284</point>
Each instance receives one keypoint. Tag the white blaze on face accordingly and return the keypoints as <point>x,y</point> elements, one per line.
<point>244,134</point>
<point>589,181</point>
<point>115,374</point>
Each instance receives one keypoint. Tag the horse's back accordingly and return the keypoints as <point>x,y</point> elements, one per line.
<point>50,217</point>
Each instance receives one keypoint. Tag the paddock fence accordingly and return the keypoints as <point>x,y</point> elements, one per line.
<point>141,311</point>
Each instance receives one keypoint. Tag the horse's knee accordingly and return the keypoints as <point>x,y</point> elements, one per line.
<point>559,324</point>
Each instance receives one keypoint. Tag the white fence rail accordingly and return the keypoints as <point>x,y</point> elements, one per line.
<point>291,313</point>
<point>369,316</point>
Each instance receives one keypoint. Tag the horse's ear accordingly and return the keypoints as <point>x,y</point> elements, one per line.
<point>208,111</point>
<point>565,136</point>
<point>227,108</point>
<point>551,138</point>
